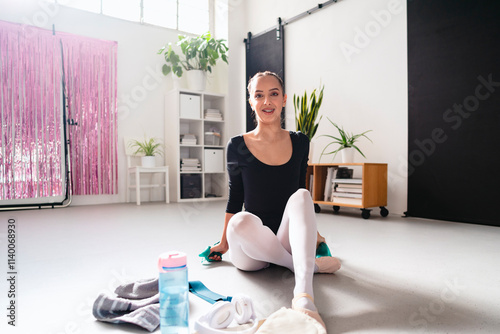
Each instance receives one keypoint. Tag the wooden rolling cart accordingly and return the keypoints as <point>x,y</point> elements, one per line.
<point>370,179</point>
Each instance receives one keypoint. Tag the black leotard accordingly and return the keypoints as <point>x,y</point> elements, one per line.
<point>265,189</point>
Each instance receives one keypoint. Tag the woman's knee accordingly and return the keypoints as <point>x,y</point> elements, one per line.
<point>243,222</point>
<point>300,205</point>
<point>301,197</point>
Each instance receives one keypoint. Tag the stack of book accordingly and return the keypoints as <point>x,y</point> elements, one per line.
<point>213,115</point>
<point>347,191</point>
<point>188,139</point>
<point>190,165</point>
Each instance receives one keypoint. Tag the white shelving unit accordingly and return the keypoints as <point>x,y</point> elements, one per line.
<point>185,114</point>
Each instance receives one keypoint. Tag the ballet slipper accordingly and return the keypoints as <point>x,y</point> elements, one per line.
<point>313,314</point>
<point>327,264</point>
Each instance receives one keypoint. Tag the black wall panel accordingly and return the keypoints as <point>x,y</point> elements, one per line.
<point>454,110</point>
<point>265,52</point>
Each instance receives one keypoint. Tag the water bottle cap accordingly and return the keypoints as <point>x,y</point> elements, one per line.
<point>171,260</point>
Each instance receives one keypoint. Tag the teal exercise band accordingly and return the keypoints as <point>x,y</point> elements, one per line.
<point>323,250</point>
<point>206,254</point>
<point>199,289</point>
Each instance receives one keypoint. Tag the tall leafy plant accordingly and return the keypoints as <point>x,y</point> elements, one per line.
<point>306,114</point>
<point>199,53</point>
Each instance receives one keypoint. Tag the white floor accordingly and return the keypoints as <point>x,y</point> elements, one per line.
<point>399,275</point>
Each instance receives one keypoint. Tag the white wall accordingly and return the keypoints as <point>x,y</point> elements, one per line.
<point>365,85</point>
<point>141,86</point>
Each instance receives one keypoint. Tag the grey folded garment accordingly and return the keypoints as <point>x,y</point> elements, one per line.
<point>138,290</point>
<point>135,303</point>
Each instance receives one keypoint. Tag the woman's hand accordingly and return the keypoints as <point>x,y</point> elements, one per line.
<point>220,248</point>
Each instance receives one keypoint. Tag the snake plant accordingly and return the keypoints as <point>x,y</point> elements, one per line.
<point>306,114</point>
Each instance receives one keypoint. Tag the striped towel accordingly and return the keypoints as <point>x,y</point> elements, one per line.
<point>135,303</point>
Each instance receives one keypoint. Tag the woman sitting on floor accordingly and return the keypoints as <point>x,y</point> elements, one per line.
<point>267,171</point>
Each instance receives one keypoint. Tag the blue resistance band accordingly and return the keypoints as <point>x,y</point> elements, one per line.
<point>199,289</point>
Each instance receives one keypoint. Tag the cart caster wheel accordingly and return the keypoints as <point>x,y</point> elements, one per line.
<point>317,208</point>
<point>383,211</point>
<point>365,213</point>
<point>336,209</point>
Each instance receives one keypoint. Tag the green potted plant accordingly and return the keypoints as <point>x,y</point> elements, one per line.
<point>149,148</point>
<point>200,54</point>
<point>347,143</point>
<point>306,115</point>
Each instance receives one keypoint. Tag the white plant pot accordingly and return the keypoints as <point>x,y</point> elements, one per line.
<point>347,155</point>
<point>196,79</point>
<point>176,81</point>
<point>311,149</point>
<point>148,161</point>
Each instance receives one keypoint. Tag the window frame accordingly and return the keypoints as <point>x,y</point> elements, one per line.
<point>211,16</point>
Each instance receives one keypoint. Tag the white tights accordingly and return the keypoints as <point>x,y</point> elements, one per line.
<point>253,246</point>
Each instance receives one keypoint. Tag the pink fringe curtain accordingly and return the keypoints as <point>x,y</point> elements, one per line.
<point>30,105</point>
<point>31,137</point>
<point>90,70</point>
